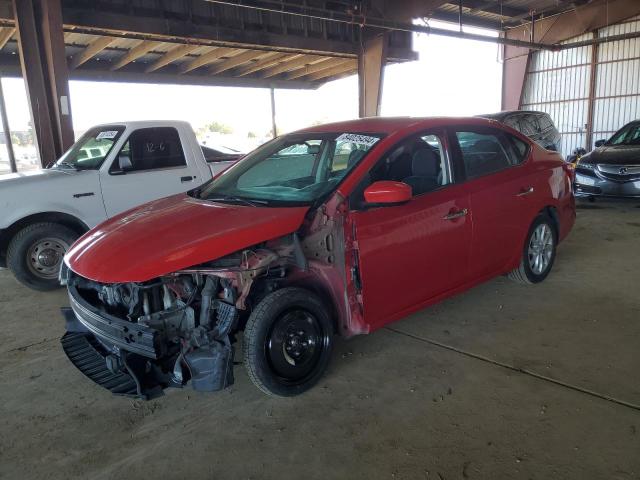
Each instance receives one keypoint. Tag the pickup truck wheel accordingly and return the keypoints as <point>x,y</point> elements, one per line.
<point>288,342</point>
<point>538,253</point>
<point>35,254</point>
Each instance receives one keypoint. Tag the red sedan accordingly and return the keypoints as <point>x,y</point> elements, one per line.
<point>339,228</point>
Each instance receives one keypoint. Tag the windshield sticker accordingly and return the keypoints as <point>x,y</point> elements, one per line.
<point>107,134</point>
<point>355,138</point>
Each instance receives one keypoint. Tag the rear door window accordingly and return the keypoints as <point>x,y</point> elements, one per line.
<point>516,148</point>
<point>483,153</point>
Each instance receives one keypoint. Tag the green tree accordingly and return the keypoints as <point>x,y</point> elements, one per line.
<point>217,127</point>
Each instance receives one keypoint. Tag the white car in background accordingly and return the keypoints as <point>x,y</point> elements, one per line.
<point>110,169</point>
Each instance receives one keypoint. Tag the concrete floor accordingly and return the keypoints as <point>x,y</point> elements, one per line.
<point>505,381</point>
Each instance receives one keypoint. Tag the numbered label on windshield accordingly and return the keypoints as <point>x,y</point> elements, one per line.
<point>359,139</point>
<point>109,134</point>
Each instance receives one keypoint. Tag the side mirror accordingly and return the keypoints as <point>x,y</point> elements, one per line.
<point>387,193</point>
<point>600,143</point>
<point>124,162</point>
<point>551,148</point>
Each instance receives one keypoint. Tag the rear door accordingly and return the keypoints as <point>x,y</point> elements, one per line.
<point>501,185</point>
<point>151,164</point>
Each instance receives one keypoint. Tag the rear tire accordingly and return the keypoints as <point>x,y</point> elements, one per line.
<point>538,253</point>
<point>288,342</point>
<point>35,254</point>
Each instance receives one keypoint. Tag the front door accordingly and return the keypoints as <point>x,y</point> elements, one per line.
<point>413,252</point>
<point>150,165</point>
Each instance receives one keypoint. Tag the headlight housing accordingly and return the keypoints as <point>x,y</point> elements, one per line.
<point>584,164</point>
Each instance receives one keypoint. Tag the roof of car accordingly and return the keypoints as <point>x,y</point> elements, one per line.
<point>388,125</point>
<point>145,123</point>
<point>504,114</point>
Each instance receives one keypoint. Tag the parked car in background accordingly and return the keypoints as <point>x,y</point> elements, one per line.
<point>612,169</point>
<point>110,169</point>
<point>219,154</point>
<point>338,228</point>
<point>538,126</point>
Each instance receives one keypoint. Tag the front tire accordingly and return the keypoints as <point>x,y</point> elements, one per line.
<point>35,254</point>
<point>288,342</point>
<point>539,252</point>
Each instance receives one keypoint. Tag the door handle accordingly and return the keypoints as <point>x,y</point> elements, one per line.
<point>524,192</point>
<point>454,215</point>
<point>188,178</point>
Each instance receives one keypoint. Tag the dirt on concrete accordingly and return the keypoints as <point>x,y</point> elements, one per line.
<point>504,381</point>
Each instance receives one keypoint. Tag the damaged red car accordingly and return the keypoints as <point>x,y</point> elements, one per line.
<point>336,229</point>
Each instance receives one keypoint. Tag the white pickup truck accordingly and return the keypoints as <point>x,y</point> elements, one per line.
<point>110,169</point>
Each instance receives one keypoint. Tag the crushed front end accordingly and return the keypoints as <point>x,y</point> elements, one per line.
<point>139,338</point>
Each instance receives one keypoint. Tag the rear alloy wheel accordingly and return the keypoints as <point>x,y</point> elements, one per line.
<point>35,254</point>
<point>539,252</point>
<point>288,342</point>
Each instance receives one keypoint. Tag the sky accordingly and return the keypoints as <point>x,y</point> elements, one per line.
<point>452,77</point>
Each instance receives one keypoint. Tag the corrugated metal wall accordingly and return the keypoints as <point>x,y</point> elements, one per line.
<point>559,83</point>
<point>617,92</point>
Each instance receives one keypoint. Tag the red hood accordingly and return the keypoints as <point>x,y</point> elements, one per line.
<point>177,232</point>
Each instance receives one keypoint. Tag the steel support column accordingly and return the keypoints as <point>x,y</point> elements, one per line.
<point>44,69</point>
<point>274,128</point>
<point>592,93</point>
<point>514,70</point>
<point>371,62</point>
<point>6,131</point>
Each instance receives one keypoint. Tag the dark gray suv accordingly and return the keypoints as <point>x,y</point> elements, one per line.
<point>538,126</point>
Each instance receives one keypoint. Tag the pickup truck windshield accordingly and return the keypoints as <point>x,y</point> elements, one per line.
<point>292,169</point>
<point>91,149</point>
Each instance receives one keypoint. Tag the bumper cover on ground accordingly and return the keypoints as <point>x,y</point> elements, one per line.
<point>122,372</point>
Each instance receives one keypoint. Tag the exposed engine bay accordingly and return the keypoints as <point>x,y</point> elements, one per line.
<point>181,328</point>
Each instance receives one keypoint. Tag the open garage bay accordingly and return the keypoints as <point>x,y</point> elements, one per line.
<point>505,381</point>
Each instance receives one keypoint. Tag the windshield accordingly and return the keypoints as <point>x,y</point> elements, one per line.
<point>627,135</point>
<point>293,169</point>
<point>89,152</point>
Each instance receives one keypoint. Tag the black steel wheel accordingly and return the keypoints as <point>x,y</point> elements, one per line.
<point>288,342</point>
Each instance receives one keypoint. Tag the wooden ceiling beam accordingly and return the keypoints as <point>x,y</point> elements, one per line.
<point>171,56</point>
<point>90,51</point>
<point>337,70</point>
<point>265,62</point>
<point>5,35</point>
<point>318,67</point>
<point>288,65</point>
<point>236,61</point>
<point>136,52</point>
<point>207,58</point>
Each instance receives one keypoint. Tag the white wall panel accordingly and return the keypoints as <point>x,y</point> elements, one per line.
<point>559,82</point>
